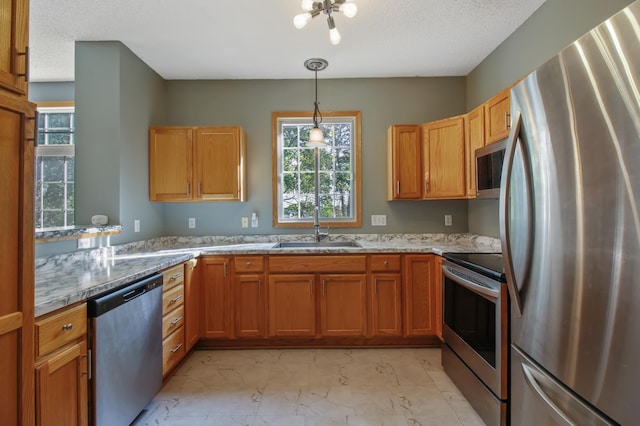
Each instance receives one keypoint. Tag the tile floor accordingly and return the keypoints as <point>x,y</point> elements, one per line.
<point>310,387</point>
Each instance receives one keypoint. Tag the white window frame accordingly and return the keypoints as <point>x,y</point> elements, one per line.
<point>305,119</point>
<point>66,151</point>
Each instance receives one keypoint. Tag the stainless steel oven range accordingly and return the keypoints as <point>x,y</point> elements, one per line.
<point>475,327</point>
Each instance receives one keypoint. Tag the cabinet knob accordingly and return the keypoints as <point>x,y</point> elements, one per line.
<point>248,263</point>
<point>386,263</point>
<point>67,327</point>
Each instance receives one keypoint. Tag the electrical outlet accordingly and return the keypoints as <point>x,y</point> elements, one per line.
<point>245,222</point>
<point>192,222</point>
<point>136,225</point>
<point>447,220</point>
<point>84,243</point>
<point>378,220</point>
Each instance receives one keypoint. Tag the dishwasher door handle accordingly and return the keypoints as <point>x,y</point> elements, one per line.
<point>134,293</point>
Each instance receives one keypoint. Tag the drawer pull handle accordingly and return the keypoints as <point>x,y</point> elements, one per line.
<point>175,277</point>
<point>176,349</point>
<point>175,299</point>
<point>67,327</point>
<point>248,263</point>
<point>175,321</point>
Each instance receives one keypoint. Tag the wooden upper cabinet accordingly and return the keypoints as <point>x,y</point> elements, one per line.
<point>474,139</point>
<point>497,117</point>
<point>220,171</point>
<point>404,169</point>
<point>14,36</point>
<point>443,158</point>
<point>170,163</point>
<point>197,164</point>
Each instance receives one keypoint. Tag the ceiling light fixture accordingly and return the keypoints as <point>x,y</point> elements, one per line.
<point>316,137</point>
<point>314,8</point>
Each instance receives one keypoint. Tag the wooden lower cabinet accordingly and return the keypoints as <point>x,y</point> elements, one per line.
<point>191,303</point>
<point>248,305</point>
<point>61,387</point>
<point>61,368</point>
<point>173,318</point>
<point>386,304</point>
<point>420,304</point>
<point>343,305</point>
<point>215,308</point>
<point>292,307</point>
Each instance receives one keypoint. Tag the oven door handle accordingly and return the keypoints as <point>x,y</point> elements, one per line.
<point>476,288</point>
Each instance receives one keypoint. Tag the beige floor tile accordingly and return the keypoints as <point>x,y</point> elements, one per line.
<point>310,387</point>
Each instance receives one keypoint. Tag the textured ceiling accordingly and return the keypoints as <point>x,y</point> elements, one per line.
<point>256,39</point>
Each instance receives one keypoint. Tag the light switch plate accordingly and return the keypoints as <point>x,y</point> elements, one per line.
<point>448,221</point>
<point>192,222</point>
<point>378,220</point>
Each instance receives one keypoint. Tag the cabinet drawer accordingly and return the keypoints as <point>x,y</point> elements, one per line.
<point>59,329</point>
<point>172,277</point>
<point>172,299</point>
<point>172,350</point>
<point>317,264</point>
<point>385,263</point>
<point>172,321</point>
<point>249,264</point>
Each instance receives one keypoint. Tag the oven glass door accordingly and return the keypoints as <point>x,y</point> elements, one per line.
<point>472,317</point>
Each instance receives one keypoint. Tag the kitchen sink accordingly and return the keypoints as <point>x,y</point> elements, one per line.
<point>321,244</point>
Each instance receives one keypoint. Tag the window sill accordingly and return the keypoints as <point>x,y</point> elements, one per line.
<point>50,235</point>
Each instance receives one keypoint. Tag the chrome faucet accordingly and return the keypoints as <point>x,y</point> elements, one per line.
<point>318,236</point>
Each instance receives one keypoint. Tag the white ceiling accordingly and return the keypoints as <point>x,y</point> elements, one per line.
<point>256,39</point>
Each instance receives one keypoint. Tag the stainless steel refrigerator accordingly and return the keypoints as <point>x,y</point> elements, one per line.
<point>570,229</point>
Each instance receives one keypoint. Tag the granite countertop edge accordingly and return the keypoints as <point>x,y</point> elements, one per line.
<point>63,280</point>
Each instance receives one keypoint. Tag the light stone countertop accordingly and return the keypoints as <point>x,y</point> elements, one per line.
<point>62,280</point>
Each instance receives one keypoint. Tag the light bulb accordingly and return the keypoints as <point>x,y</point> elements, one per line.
<point>299,21</point>
<point>307,5</point>
<point>334,36</point>
<point>349,9</point>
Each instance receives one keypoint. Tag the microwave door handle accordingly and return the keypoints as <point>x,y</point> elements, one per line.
<point>450,273</point>
<point>505,225</point>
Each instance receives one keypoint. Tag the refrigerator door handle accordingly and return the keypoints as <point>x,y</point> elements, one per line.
<point>505,226</point>
<point>530,376</point>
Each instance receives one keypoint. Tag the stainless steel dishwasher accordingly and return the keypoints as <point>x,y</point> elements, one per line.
<point>126,351</point>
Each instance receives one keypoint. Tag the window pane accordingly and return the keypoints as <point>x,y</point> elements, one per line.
<point>53,169</point>
<point>58,139</point>
<point>60,120</point>
<point>290,160</point>
<point>53,195</point>
<point>52,218</point>
<point>290,136</point>
<point>71,169</point>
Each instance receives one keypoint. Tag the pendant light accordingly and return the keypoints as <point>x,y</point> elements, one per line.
<point>316,137</point>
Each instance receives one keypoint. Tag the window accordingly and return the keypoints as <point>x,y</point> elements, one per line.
<point>55,167</point>
<point>294,170</point>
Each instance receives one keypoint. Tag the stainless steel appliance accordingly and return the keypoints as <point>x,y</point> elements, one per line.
<point>476,331</point>
<point>489,160</point>
<point>126,351</point>
<point>570,228</point>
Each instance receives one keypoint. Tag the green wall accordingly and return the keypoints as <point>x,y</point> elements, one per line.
<point>249,103</point>
<point>556,24</point>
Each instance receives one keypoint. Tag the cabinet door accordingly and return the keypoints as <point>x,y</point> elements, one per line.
<point>343,305</point>
<point>404,171</point>
<point>191,303</point>
<point>215,315</point>
<point>419,295</point>
<point>16,260</point>
<point>14,35</point>
<point>386,305</point>
<point>220,169</point>
<point>248,305</point>
<point>292,307</point>
<point>443,158</point>
<point>61,388</point>
<point>497,117</point>
<point>170,163</point>
<point>474,139</point>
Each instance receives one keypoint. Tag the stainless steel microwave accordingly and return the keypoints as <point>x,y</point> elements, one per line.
<point>489,161</point>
